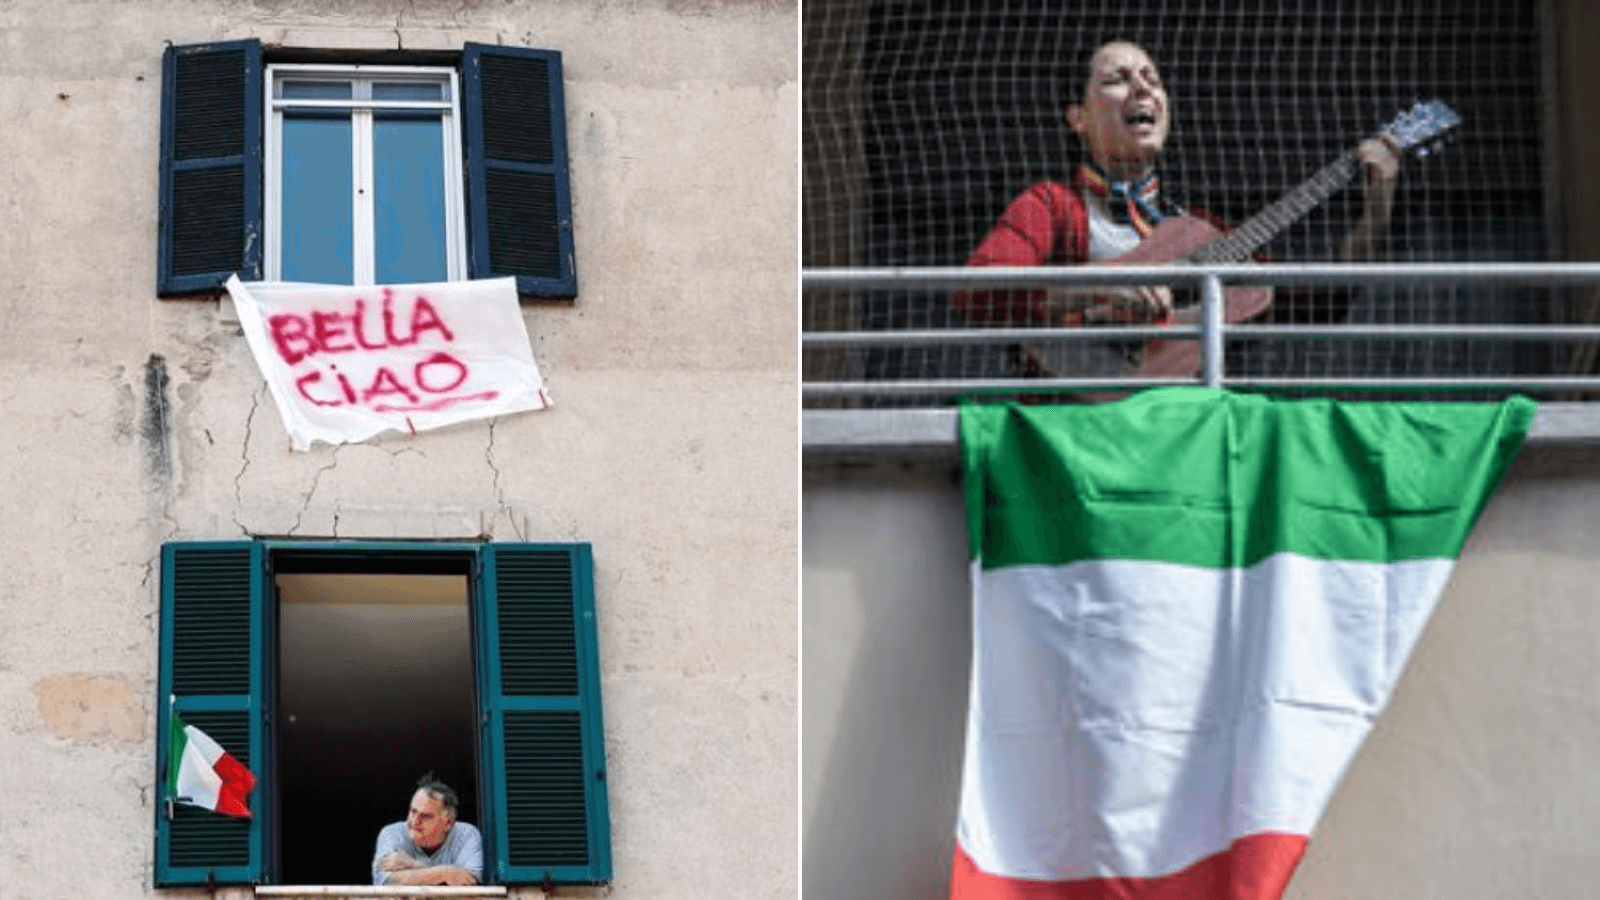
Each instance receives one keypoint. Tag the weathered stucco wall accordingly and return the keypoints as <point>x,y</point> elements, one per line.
<point>131,421</point>
<point>1477,782</point>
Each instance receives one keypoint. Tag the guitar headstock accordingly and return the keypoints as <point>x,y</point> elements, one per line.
<point>1421,123</point>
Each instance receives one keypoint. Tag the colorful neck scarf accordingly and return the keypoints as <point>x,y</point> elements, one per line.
<point>1131,204</point>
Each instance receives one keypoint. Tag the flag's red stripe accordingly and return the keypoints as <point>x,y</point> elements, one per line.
<point>1256,867</point>
<point>237,782</point>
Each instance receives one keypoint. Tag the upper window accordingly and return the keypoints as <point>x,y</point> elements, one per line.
<point>363,174</point>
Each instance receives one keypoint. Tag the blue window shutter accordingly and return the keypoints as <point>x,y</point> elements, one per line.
<point>544,784</point>
<point>213,639</point>
<point>210,215</point>
<point>519,201</point>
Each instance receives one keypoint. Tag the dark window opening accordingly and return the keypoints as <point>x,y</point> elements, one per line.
<point>375,688</point>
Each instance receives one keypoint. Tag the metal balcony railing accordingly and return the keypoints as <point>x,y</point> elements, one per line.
<point>1211,330</point>
<point>876,430</point>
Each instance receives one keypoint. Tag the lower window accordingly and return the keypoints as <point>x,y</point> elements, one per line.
<point>340,672</point>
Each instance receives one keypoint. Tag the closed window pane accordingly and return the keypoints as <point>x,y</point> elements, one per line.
<point>317,187</point>
<point>407,90</point>
<point>408,188</point>
<point>316,90</point>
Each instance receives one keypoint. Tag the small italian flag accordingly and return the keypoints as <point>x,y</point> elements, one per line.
<point>201,773</point>
<point>1189,607</point>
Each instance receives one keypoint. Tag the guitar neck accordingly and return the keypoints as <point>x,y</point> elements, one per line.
<point>1238,244</point>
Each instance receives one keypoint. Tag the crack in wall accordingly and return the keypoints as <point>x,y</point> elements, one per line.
<point>399,19</point>
<point>244,457</point>
<point>316,480</point>
<point>499,491</point>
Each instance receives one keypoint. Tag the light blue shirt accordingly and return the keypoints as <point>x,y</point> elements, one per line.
<point>462,848</point>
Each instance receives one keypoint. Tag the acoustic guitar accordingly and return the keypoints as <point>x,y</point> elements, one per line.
<point>1186,239</point>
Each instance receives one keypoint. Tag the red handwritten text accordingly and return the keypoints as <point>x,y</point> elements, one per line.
<point>345,331</point>
<point>364,338</point>
<point>437,375</point>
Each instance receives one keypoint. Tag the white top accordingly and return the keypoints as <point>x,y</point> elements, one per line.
<point>462,848</point>
<point>1107,238</point>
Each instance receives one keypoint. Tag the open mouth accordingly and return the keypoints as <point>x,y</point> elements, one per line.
<point>1139,118</point>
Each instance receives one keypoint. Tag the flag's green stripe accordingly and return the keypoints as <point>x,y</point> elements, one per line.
<point>177,739</point>
<point>1209,478</point>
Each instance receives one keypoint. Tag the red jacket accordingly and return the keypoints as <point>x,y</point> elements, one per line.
<point>1047,225</point>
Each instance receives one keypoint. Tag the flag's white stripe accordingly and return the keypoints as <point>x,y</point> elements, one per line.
<point>197,775</point>
<point>1131,718</point>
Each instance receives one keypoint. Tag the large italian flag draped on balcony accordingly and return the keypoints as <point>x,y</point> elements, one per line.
<point>1189,608</point>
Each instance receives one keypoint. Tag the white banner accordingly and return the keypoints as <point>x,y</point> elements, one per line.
<point>346,363</point>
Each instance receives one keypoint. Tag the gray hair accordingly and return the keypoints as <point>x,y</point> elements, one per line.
<point>439,791</point>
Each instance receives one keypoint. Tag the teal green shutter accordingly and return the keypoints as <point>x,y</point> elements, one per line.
<point>544,743</point>
<point>213,638</point>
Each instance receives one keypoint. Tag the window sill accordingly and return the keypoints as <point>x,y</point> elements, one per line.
<point>353,891</point>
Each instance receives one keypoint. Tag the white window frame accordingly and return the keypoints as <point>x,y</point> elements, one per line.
<point>361,106</point>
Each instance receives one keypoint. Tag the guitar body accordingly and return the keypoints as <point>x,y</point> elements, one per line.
<point>1173,240</point>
